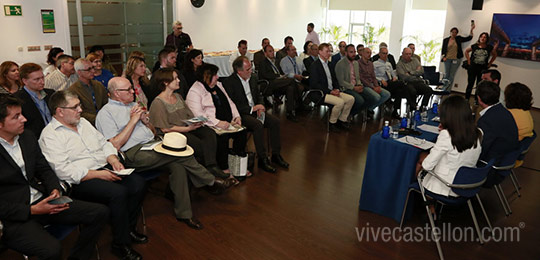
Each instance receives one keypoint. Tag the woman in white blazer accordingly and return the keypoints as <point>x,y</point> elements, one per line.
<point>458,144</point>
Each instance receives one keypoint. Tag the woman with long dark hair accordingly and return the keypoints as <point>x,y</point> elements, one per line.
<point>10,80</point>
<point>452,53</point>
<point>478,59</point>
<point>305,53</point>
<point>458,144</point>
<point>52,56</point>
<point>519,100</point>
<point>193,60</point>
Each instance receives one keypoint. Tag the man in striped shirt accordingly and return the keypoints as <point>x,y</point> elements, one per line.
<point>64,76</point>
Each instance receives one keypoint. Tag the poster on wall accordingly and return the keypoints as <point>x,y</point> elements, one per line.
<point>47,19</point>
<point>517,34</point>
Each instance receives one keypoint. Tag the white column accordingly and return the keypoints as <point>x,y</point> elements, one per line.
<point>399,13</point>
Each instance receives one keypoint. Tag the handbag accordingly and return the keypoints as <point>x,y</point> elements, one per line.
<point>465,65</point>
<point>238,166</point>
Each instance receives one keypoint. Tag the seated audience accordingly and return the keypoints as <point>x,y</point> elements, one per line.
<point>242,51</point>
<point>90,92</point>
<point>388,78</point>
<point>391,58</point>
<point>497,123</point>
<point>359,50</point>
<point>79,154</point>
<point>288,41</point>
<point>166,58</point>
<point>268,70</point>
<point>458,144</point>
<point>244,91</point>
<point>313,56</point>
<point>291,67</point>
<point>494,75</point>
<point>321,77</point>
<point>348,77</point>
<point>10,80</point>
<point>410,71</point>
<point>519,102</point>
<point>194,60</point>
<point>414,56</point>
<point>208,98</point>
<point>305,53</point>
<point>64,76</point>
<point>338,56</point>
<point>169,113</point>
<point>373,93</point>
<point>100,74</point>
<point>127,126</point>
<point>259,55</point>
<point>35,107</point>
<point>136,74</point>
<point>52,57</point>
<point>141,55</point>
<point>28,185</point>
<point>100,51</point>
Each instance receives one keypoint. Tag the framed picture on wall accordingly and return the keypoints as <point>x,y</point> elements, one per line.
<point>47,20</point>
<point>518,36</point>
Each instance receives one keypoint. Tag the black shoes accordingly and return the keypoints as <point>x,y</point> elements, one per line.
<point>138,238</point>
<point>334,128</point>
<point>125,252</point>
<point>277,159</point>
<point>192,223</point>
<point>265,165</point>
<point>292,116</point>
<point>343,125</point>
<point>216,171</point>
<point>220,185</point>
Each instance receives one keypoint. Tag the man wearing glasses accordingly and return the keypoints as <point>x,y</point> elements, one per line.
<point>338,56</point>
<point>64,76</point>
<point>91,92</point>
<point>81,156</point>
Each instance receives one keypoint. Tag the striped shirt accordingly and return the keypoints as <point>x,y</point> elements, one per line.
<point>58,81</point>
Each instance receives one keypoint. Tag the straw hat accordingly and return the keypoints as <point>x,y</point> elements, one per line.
<point>174,144</point>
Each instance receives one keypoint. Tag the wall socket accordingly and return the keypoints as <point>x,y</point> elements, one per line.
<point>34,48</point>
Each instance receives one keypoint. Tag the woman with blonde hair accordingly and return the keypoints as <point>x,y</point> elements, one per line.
<point>10,80</point>
<point>136,74</point>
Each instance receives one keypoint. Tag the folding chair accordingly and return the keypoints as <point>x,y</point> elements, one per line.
<point>524,146</point>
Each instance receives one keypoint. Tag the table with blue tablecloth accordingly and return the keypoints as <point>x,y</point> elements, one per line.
<point>390,168</point>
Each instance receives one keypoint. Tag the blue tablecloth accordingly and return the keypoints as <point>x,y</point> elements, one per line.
<point>390,167</point>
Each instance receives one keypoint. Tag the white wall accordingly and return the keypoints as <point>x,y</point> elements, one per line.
<point>460,15</point>
<point>220,24</point>
<point>26,30</point>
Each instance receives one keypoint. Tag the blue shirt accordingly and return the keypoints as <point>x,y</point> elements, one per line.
<point>40,104</point>
<point>114,116</point>
<point>104,77</point>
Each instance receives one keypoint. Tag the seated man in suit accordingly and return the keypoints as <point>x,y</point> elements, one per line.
<point>348,76</point>
<point>292,68</point>
<point>28,185</point>
<point>373,93</point>
<point>80,155</point>
<point>288,41</point>
<point>259,55</point>
<point>497,123</point>
<point>410,70</point>
<point>64,76</point>
<point>243,90</point>
<point>342,45</point>
<point>279,84</point>
<point>321,77</point>
<point>313,56</point>
<point>494,75</point>
<point>91,93</point>
<point>127,126</point>
<point>35,98</point>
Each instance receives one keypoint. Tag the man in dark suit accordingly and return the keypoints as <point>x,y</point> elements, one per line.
<point>242,88</point>
<point>259,56</point>
<point>279,84</point>
<point>35,98</point>
<point>338,56</point>
<point>500,130</point>
<point>28,185</point>
<point>323,78</point>
<point>313,56</point>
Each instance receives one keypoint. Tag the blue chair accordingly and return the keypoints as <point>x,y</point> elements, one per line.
<point>524,146</point>
<point>466,184</point>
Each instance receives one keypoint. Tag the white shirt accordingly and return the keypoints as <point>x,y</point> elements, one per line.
<point>57,80</point>
<point>445,161</point>
<point>313,37</point>
<point>72,154</point>
<point>328,74</point>
<point>247,90</point>
<point>483,111</point>
<point>237,54</point>
<point>14,150</point>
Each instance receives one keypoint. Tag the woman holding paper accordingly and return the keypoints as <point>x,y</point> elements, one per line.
<point>208,98</point>
<point>169,113</point>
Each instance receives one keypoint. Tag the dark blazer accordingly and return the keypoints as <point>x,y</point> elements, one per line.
<point>257,58</point>
<point>14,188</point>
<point>235,90</point>
<point>87,103</point>
<point>500,133</point>
<point>459,41</point>
<point>318,80</point>
<point>307,63</point>
<point>35,122</point>
<point>335,58</point>
<point>266,71</point>
<point>282,53</point>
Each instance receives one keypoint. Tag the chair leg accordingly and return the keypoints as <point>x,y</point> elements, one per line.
<point>404,209</point>
<point>515,182</point>
<point>436,236</point>
<point>97,253</point>
<point>504,199</point>
<point>484,212</point>
<point>475,222</point>
<point>501,200</point>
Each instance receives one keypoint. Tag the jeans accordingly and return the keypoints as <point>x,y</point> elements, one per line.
<point>374,99</point>
<point>450,68</point>
<point>358,101</point>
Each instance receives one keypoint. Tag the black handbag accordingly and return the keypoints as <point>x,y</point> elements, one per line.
<point>465,65</point>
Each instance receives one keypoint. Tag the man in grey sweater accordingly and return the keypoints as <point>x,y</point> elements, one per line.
<point>410,70</point>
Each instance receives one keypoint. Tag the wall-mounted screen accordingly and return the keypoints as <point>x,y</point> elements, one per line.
<point>518,35</point>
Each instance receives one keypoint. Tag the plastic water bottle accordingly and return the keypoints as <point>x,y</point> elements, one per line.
<point>417,116</point>
<point>386,130</point>
<point>435,108</point>
<point>404,122</point>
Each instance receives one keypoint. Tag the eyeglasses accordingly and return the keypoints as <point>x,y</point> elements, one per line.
<point>89,69</point>
<point>383,53</point>
<point>75,107</point>
<point>125,89</point>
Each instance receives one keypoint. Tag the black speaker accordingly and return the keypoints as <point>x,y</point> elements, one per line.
<point>477,4</point>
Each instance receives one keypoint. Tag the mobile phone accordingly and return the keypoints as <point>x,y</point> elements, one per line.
<point>61,200</point>
<point>472,22</point>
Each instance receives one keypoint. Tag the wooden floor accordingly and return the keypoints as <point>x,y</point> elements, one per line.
<point>311,211</point>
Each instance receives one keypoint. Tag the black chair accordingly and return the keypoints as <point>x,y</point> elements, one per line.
<point>524,146</point>
<point>466,184</point>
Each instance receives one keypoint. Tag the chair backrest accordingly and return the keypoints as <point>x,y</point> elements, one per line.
<point>469,180</point>
<point>525,144</point>
<point>506,163</point>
